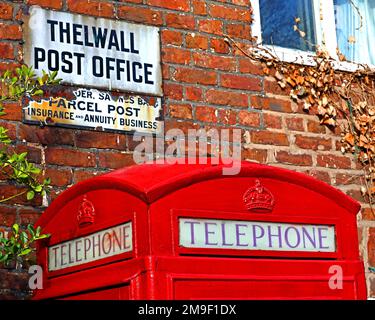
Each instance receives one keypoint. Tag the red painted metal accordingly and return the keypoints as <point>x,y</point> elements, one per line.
<point>154,196</point>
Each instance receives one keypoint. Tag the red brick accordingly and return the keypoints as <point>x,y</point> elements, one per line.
<point>94,8</point>
<point>240,82</point>
<point>7,191</point>
<point>70,157</point>
<point>248,66</point>
<point>59,177</point>
<point>171,37</point>
<point>211,26</point>
<point>180,21</point>
<point>46,135</point>
<point>199,7</point>
<point>10,31</point>
<point>296,159</point>
<point>54,4</point>
<point>268,137</point>
<point>219,46</point>
<point>273,104</point>
<point>295,124</point>
<point>250,119</point>
<point>195,76</point>
<point>368,214</point>
<point>214,62</point>
<point>229,13</point>
<point>181,5</point>
<point>138,14</point>
<point>173,91</point>
<point>205,114</point>
<point>242,3</point>
<point>345,179</point>
<point>357,195</point>
<point>4,66</point>
<point>272,121</point>
<point>80,175</point>
<point>227,116</point>
<point>7,215</point>
<point>183,111</point>
<point>176,55</point>
<point>132,1</point>
<point>6,50</point>
<point>13,280</point>
<point>13,111</point>
<point>6,11</point>
<point>195,41</point>
<point>258,155</point>
<point>313,143</point>
<point>34,154</point>
<point>101,140</point>
<point>165,71</point>
<point>115,160</point>
<point>12,133</point>
<point>29,215</point>
<point>371,247</point>
<point>239,31</point>
<point>320,175</point>
<point>193,93</point>
<point>227,98</point>
<point>184,126</point>
<point>271,86</point>
<point>372,287</point>
<point>315,127</point>
<point>332,161</point>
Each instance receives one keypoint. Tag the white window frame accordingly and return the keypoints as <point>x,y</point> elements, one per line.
<point>325,33</point>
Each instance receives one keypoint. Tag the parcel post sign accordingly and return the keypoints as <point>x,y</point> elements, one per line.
<point>97,52</point>
<point>99,110</point>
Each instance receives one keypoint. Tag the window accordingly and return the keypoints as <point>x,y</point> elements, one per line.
<point>345,24</point>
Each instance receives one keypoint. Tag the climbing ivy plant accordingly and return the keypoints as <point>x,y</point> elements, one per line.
<point>15,84</point>
<point>19,244</point>
<point>332,95</point>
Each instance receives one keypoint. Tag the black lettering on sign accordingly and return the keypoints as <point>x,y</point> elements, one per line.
<point>97,66</point>
<point>39,56</point>
<point>77,32</point>
<point>64,31</point>
<point>52,24</point>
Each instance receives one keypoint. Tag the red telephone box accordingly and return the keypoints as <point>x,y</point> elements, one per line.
<point>161,231</point>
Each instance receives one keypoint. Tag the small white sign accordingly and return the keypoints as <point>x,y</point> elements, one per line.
<point>254,235</point>
<point>95,109</point>
<point>97,52</point>
<point>96,246</point>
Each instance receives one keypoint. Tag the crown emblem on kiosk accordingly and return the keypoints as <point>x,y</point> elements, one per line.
<point>258,198</point>
<point>86,212</point>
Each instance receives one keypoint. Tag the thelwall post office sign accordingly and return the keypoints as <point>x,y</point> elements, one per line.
<point>94,52</point>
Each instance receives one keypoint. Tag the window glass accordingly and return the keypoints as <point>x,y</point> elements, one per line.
<point>355,29</point>
<point>277,20</point>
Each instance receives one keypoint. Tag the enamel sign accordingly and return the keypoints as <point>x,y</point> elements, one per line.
<point>99,245</point>
<point>96,52</point>
<point>254,235</point>
<point>94,109</point>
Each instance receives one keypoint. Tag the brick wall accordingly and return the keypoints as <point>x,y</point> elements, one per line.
<point>206,83</point>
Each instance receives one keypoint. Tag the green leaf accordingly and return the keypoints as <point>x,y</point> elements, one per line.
<point>4,258</point>
<point>15,228</point>
<point>24,237</point>
<point>25,252</point>
<point>43,236</point>
<point>30,195</point>
<point>31,229</point>
<point>38,92</point>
